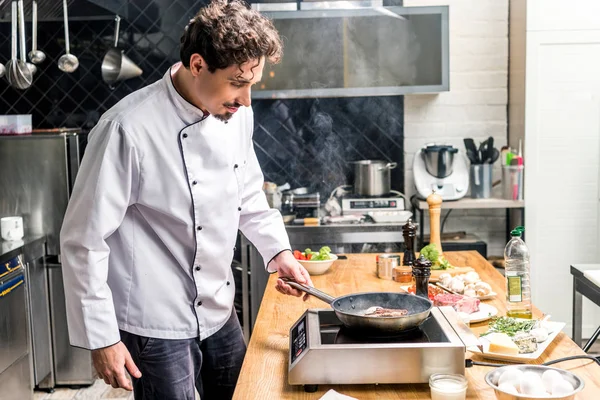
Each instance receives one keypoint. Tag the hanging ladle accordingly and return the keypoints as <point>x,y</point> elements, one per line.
<point>67,62</point>
<point>11,63</point>
<point>36,56</point>
<point>30,66</point>
<point>116,66</point>
<point>19,74</point>
<point>3,69</point>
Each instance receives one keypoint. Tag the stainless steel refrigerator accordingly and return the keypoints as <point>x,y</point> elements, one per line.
<point>37,175</point>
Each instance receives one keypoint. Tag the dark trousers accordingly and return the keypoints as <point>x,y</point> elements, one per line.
<point>172,368</point>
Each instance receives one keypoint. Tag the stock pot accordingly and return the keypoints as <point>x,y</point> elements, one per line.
<point>372,177</point>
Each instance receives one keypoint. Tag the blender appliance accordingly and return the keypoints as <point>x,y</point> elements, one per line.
<point>443,169</point>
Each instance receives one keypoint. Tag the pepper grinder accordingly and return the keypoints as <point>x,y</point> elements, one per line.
<point>422,272</point>
<point>409,231</point>
<point>434,201</point>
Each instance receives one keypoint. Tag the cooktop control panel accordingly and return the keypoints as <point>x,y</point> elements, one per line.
<point>298,339</point>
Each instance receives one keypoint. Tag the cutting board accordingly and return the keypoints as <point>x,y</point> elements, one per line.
<point>435,273</point>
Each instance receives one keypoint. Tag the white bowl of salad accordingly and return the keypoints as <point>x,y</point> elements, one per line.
<point>316,262</point>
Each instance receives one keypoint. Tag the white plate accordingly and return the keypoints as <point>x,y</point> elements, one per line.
<point>555,327</point>
<point>400,216</point>
<point>485,312</point>
<point>487,297</point>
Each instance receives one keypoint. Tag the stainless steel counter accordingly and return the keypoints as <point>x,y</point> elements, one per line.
<point>15,316</point>
<point>345,233</point>
<point>338,236</point>
<point>31,247</point>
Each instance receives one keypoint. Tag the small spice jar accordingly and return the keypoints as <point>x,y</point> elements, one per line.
<point>448,387</point>
<point>386,264</point>
<point>403,274</point>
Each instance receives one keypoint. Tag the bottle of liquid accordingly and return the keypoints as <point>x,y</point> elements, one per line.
<point>516,267</point>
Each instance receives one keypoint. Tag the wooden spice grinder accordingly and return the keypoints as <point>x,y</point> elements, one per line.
<point>434,201</point>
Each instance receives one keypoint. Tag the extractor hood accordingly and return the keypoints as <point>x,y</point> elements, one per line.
<point>350,48</point>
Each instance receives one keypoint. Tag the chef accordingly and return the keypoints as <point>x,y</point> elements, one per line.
<point>168,178</point>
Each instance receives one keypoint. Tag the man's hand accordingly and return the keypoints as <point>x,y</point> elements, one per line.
<point>111,362</point>
<point>288,267</point>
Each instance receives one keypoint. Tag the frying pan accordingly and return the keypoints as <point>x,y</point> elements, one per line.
<point>350,310</point>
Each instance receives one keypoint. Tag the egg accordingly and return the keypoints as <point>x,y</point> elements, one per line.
<point>531,383</point>
<point>561,387</point>
<point>511,377</point>
<point>508,388</point>
<point>548,377</point>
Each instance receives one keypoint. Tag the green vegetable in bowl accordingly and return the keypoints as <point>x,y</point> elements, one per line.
<point>322,255</point>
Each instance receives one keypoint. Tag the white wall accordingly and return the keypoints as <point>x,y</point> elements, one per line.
<point>475,106</point>
<point>562,144</point>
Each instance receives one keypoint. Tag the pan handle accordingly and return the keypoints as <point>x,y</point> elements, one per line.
<point>310,290</point>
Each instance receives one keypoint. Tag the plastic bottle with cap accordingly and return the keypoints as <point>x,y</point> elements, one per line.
<point>517,273</point>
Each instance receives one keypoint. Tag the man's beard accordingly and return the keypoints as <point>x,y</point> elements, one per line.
<point>225,117</point>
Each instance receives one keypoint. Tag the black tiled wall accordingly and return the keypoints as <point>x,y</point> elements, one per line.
<point>310,142</point>
<point>306,142</point>
<point>150,37</point>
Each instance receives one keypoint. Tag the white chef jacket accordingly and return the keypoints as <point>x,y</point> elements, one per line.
<point>149,233</point>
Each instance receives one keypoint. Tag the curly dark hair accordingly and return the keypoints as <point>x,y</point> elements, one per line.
<point>229,33</point>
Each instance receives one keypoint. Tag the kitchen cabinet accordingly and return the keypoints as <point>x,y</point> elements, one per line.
<point>13,319</point>
<point>554,107</point>
<point>16,380</point>
<point>39,189</point>
<point>39,309</point>
<point>72,365</point>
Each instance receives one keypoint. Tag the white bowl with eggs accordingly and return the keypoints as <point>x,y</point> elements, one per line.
<point>524,382</point>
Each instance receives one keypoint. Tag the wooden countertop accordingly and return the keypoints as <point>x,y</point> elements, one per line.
<point>264,373</point>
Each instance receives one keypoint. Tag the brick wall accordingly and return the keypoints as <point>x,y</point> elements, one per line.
<point>475,106</point>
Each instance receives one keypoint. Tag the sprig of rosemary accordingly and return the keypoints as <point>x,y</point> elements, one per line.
<point>509,325</point>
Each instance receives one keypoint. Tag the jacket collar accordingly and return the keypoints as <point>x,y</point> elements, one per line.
<point>188,112</point>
